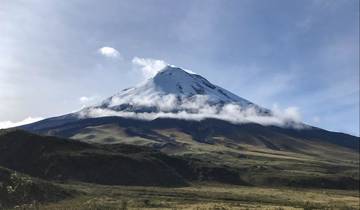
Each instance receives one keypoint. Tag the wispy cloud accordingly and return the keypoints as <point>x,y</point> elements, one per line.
<point>10,124</point>
<point>87,99</point>
<point>149,66</point>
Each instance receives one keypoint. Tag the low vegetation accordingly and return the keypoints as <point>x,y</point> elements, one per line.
<point>202,196</point>
<point>20,189</point>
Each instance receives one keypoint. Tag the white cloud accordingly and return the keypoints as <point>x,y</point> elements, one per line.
<point>199,108</point>
<point>10,124</point>
<point>232,114</point>
<point>109,52</point>
<point>87,99</point>
<point>149,66</point>
<point>291,113</point>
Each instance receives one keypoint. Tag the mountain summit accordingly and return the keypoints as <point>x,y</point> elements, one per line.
<point>183,85</point>
<point>174,90</point>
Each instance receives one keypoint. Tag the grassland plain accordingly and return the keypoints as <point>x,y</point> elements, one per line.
<point>205,196</point>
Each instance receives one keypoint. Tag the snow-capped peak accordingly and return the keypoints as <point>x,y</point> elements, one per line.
<point>174,80</point>
<point>176,93</point>
<point>173,85</point>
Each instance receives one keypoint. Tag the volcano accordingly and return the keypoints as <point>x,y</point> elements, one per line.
<point>188,103</point>
<point>215,134</point>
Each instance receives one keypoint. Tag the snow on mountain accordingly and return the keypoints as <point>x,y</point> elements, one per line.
<point>174,89</point>
<point>176,93</point>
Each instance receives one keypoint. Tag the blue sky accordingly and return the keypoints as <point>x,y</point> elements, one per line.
<point>302,54</point>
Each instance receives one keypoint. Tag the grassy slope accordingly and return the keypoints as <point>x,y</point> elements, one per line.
<point>60,159</point>
<point>314,164</point>
<point>317,166</point>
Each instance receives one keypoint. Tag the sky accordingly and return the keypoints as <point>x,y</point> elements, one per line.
<point>58,56</point>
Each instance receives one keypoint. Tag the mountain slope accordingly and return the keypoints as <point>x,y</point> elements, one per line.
<point>207,130</point>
